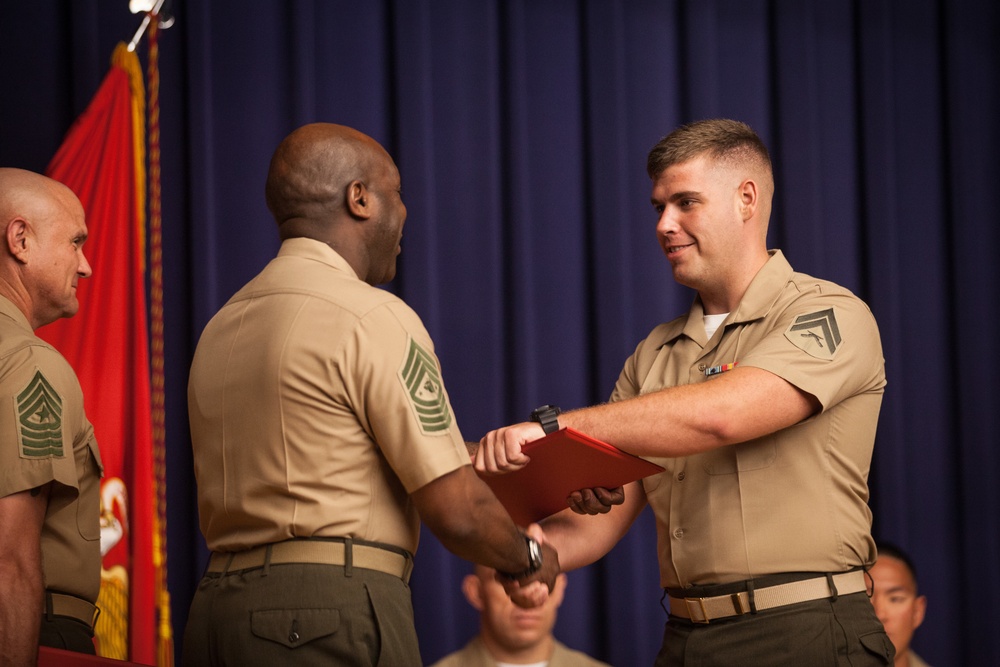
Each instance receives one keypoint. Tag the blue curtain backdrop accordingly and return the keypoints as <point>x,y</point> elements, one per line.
<point>521,129</point>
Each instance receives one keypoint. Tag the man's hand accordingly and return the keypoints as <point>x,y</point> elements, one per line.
<point>500,450</point>
<point>533,591</point>
<point>595,501</point>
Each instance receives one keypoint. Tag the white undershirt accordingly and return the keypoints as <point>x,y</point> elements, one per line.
<point>712,323</point>
<point>543,663</point>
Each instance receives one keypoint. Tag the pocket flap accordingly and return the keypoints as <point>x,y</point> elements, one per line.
<point>294,627</point>
<point>878,643</point>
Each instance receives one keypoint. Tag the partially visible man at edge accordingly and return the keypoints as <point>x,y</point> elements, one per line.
<point>897,601</point>
<point>761,404</point>
<point>50,467</point>
<point>323,434</point>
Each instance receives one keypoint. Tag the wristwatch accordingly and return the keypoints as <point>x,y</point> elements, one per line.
<point>534,560</point>
<point>547,416</point>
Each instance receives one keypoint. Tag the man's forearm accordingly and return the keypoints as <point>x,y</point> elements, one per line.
<point>22,584</point>
<point>470,522</point>
<point>584,539</point>
<point>741,405</point>
<point>21,605</point>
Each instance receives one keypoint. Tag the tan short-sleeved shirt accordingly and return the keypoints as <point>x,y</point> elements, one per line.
<point>46,437</point>
<point>793,501</point>
<point>316,406</point>
<point>475,654</point>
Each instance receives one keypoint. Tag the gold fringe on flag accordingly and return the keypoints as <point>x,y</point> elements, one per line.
<point>129,61</point>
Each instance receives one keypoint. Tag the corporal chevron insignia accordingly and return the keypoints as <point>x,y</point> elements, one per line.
<point>420,376</point>
<point>39,409</point>
<point>816,333</point>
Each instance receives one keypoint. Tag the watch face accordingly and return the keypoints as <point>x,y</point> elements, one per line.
<point>534,554</point>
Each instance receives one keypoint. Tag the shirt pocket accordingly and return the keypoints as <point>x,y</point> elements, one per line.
<point>88,507</point>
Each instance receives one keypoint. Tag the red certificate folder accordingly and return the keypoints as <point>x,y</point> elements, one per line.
<point>562,462</point>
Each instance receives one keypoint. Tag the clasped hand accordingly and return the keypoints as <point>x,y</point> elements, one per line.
<point>534,590</point>
<point>500,451</point>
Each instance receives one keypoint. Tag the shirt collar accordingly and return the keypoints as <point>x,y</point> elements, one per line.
<point>317,251</point>
<point>8,309</point>
<point>764,288</point>
<point>756,302</point>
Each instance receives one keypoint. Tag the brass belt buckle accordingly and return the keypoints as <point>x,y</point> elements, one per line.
<point>700,607</point>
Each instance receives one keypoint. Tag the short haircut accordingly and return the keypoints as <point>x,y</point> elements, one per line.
<point>723,139</point>
<point>892,551</point>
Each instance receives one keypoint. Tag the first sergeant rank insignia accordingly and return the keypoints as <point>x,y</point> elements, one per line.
<point>39,412</point>
<point>422,380</point>
<point>816,333</point>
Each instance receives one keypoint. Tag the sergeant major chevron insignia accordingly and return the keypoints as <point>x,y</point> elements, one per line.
<point>39,411</point>
<point>419,374</point>
<point>816,333</point>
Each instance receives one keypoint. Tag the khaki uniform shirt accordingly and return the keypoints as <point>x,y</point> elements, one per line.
<point>316,407</point>
<point>475,654</point>
<point>46,437</point>
<point>792,501</point>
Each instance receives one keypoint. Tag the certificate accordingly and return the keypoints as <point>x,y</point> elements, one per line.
<point>562,462</point>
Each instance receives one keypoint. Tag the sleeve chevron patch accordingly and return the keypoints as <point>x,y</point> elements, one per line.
<point>39,412</point>
<point>425,390</point>
<point>816,333</point>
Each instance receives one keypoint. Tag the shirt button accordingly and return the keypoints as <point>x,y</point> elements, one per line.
<point>681,476</point>
<point>702,367</point>
<point>679,533</point>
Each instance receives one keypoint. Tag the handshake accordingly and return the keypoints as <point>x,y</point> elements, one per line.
<point>533,498</point>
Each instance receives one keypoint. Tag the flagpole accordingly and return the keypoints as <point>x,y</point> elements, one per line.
<point>165,657</point>
<point>153,22</point>
<point>164,22</point>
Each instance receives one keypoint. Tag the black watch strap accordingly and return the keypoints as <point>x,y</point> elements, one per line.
<point>548,417</point>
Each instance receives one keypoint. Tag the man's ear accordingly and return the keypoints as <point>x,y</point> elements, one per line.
<point>472,587</point>
<point>17,239</point>
<point>919,609</point>
<point>358,200</point>
<point>748,196</point>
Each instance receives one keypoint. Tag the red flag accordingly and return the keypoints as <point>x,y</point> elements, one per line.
<point>102,159</point>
